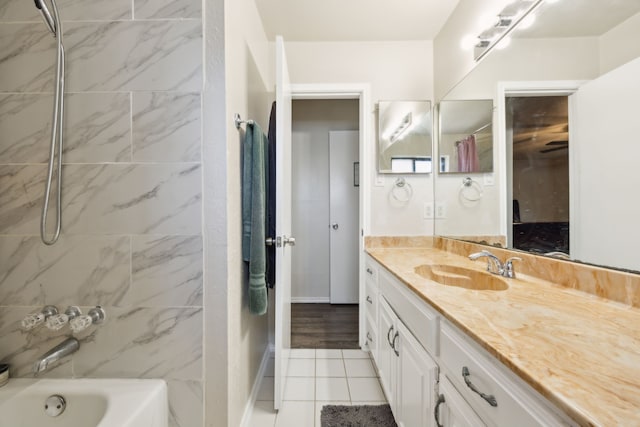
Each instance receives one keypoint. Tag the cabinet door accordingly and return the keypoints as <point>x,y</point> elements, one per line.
<point>454,411</point>
<point>386,360</point>
<point>417,378</point>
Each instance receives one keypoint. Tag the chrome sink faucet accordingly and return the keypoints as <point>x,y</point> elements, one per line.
<point>494,265</point>
<point>64,349</point>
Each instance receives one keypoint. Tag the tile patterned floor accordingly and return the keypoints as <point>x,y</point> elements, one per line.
<point>318,377</point>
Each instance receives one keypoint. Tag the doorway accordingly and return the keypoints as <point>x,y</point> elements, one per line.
<point>539,174</point>
<point>325,221</point>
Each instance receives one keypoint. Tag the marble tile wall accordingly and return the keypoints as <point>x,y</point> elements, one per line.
<point>132,190</point>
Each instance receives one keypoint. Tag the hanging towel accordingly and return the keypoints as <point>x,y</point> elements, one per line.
<point>271,198</point>
<point>254,215</point>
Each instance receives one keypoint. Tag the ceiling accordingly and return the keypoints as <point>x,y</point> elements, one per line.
<point>579,18</point>
<point>354,20</point>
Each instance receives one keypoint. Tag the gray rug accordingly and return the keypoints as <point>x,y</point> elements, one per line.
<point>357,416</point>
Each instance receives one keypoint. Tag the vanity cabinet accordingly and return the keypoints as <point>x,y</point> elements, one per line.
<point>433,374</point>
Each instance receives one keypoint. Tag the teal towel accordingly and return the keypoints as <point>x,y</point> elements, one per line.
<point>253,216</point>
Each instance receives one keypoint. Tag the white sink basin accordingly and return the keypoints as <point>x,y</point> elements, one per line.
<point>89,403</point>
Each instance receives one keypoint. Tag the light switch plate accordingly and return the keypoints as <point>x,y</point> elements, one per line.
<point>441,210</point>
<point>379,180</point>
<point>428,210</point>
<point>488,180</point>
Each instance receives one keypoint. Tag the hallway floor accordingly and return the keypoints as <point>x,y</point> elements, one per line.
<point>318,377</point>
<point>327,326</point>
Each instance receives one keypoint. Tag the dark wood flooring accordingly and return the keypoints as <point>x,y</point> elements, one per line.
<point>324,326</point>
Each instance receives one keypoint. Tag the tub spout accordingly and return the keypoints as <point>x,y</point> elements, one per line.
<point>64,349</point>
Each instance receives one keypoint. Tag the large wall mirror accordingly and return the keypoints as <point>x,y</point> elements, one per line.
<point>404,137</point>
<point>565,124</point>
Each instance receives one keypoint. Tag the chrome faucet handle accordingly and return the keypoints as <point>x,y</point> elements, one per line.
<point>491,260</point>
<point>58,321</point>
<point>34,320</point>
<point>95,316</point>
<point>508,267</point>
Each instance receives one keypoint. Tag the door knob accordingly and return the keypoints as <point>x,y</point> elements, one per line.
<point>291,241</point>
<point>334,225</point>
<point>270,241</point>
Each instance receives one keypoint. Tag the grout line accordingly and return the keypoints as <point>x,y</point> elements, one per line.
<point>131,125</point>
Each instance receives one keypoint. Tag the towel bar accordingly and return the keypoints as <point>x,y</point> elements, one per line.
<point>238,121</point>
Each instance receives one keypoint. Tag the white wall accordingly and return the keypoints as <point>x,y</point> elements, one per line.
<point>238,80</point>
<point>395,71</point>
<point>312,122</point>
<point>606,125</point>
<point>620,44</point>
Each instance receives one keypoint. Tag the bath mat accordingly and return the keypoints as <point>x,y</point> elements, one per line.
<point>357,416</point>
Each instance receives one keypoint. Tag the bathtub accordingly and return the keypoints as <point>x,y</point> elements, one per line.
<point>87,403</point>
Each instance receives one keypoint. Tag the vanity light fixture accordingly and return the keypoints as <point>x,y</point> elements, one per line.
<point>506,21</point>
<point>402,127</point>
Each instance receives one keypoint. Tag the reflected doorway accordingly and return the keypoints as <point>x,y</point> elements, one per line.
<point>538,134</point>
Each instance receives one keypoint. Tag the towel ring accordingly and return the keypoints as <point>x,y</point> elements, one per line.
<point>402,184</point>
<point>470,190</point>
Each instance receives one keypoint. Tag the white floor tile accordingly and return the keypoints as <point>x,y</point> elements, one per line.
<point>269,370</point>
<point>330,368</point>
<point>332,389</point>
<point>301,368</point>
<point>365,390</point>
<point>263,415</point>
<point>296,414</point>
<point>266,389</point>
<point>328,354</point>
<point>299,389</point>
<point>355,354</point>
<point>320,404</point>
<point>302,353</point>
<point>359,368</point>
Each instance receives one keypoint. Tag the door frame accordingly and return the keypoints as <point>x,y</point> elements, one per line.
<point>529,88</point>
<point>361,92</point>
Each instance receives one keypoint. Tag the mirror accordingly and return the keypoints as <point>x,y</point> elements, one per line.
<point>404,137</point>
<point>465,141</point>
<point>586,53</point>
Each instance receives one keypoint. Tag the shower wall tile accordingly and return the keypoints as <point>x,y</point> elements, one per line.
<point>86,270</point>
<point>27,58</point>
<point>185,403</point>
<point>97,127</point>
<point>21,198</point>
<point>162,9</point>
<point>134,56</point>
<point>98,10</point>
<point>166,127</point>
<point>21,349</point>
<point>144,343</point>
<point>132,199</point>
<point>25,126</point>
<point>165,271</point>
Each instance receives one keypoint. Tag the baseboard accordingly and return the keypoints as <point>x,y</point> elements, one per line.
<point>310,300</point>
<point>248,409</point>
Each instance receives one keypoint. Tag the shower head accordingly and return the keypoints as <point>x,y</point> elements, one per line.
<point>46,16</point>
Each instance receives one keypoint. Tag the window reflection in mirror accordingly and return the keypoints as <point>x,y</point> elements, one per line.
<point>404,137</point>
<point>466,136</point>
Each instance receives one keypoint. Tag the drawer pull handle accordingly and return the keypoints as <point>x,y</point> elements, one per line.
<point>369,337</point>
<point>370,271</point>
<point>389,332</point>
<point>393,344</point>
<point>369,300</point>
<point>436,414</point>
<point>491,400</point>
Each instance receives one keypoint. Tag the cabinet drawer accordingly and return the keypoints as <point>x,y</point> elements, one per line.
<point>371,301</point>
<point>371,336</point>
<point>512,403</point>
<point>419,318</point>
<point>371,271</point>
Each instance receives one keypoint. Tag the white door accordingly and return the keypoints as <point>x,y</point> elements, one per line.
<point>453,410</point>
<point>386,356</point>
<point>283,223</point>
<point>344,198</point>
